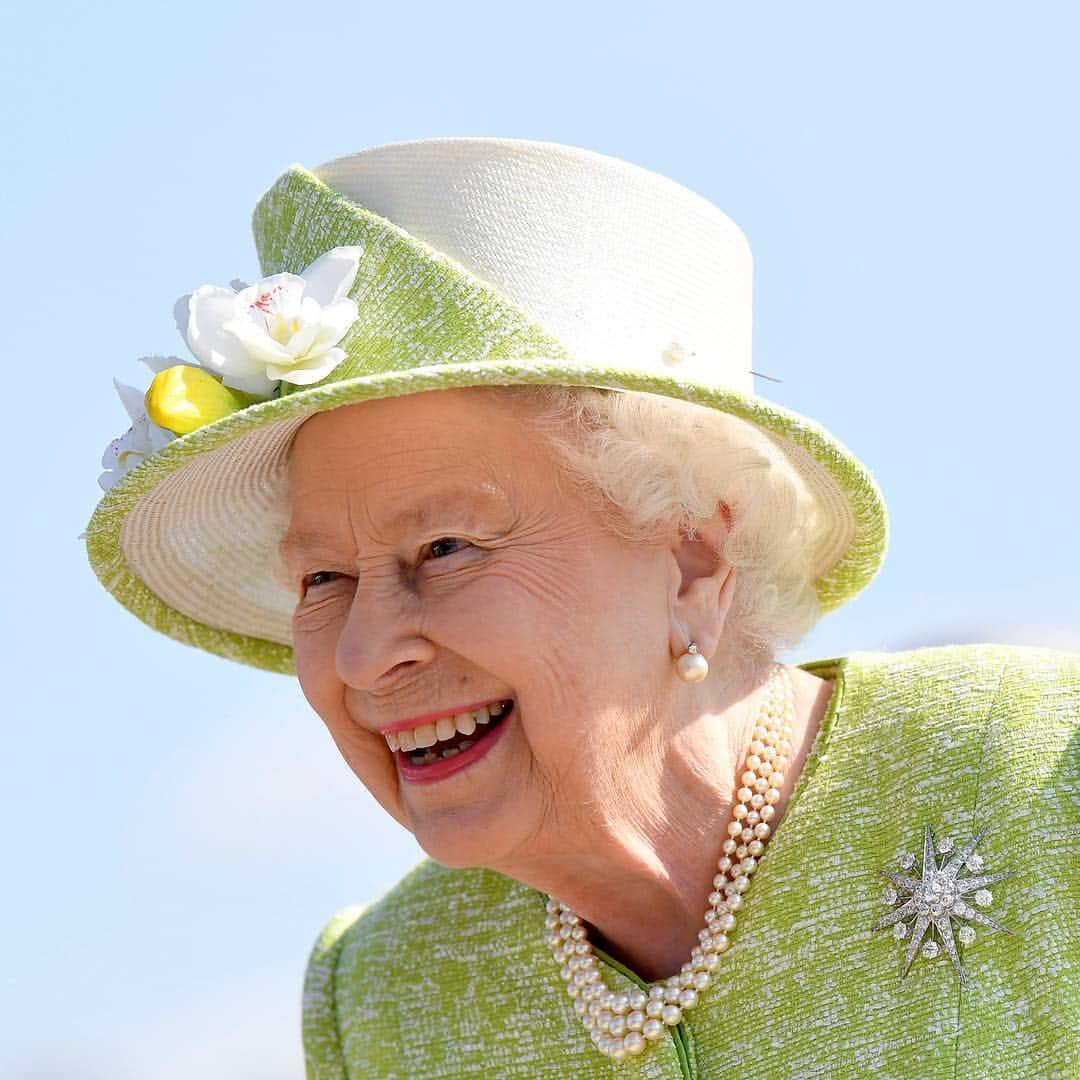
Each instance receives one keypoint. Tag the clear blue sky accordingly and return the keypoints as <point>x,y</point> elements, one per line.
<point>177,828</point>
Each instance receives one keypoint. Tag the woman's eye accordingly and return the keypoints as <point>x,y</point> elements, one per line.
<point>319,577</point>
<point>446,545</point>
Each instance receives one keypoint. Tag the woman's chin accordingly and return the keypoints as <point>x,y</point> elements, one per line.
<point>458,842</point>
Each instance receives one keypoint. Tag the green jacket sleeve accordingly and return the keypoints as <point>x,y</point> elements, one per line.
<point>323,1057</point>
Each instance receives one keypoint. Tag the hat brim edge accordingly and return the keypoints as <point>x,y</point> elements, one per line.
<point>852,572</point>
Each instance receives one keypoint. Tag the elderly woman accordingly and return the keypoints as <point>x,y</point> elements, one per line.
<point>480,460</point>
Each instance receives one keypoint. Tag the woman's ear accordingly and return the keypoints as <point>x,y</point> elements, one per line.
<point>702,585</point>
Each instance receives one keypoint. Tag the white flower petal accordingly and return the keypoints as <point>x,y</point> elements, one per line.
<point>180,314</point>
<point>336,320</point>
<point>301,342</point>
<point>158,364</point>
<point>134,401</point>
<point>209,309</point>
<point>112,452</point>
<point>255,382</point>
<point>279,294</point>
<point>332,274</point>
<point>309,371</point>
<point>258,345</point>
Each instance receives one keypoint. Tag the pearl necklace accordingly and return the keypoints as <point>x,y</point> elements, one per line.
<point>623,1025</point>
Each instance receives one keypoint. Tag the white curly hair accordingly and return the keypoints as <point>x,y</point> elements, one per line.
<point>654,460</point>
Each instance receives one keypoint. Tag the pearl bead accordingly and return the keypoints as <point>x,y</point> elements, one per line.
<point>749,778</point>
<point>620,1004</point>
<point>692,667</point>
<point>768,813</point>
<point>701,981</point>
<point>653,1029</point>
<point>671,994</point>
<point>762,831</point>
<point>744,794</point>
<point>755,847</point>
<point>734,902</point>
<point>728,846</point>
<point>671,1015</point>
<point>653,1008</point>
<point>725,865</point>
<point>734,828</point>
<point>638,999</point>
<point>688,998</point>
<point>740,812</point>
<point>634,1042</point>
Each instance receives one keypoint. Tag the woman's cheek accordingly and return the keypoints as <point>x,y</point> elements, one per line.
<point>315,634</point>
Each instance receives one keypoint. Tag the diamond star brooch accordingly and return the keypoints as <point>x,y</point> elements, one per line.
<point>935,896</point>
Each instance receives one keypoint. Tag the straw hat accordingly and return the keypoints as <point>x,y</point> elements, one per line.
<point>422,265</point>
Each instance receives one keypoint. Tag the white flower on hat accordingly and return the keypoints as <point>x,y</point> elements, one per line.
<point>143,438</point>
<point>286,327</point>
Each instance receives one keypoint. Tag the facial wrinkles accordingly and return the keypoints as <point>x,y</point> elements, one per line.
<point>549,562</point>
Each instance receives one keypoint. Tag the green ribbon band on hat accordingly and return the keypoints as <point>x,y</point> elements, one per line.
<point>417,308</point>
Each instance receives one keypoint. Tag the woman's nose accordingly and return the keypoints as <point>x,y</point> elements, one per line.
<point>380,639</point>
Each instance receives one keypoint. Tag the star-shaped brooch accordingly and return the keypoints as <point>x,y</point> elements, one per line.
<point>934,896</point>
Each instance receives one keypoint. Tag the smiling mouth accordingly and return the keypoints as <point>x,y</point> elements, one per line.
<point>460,741</point>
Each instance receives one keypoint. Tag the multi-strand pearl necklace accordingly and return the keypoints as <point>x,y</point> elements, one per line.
<point>623,1025</point>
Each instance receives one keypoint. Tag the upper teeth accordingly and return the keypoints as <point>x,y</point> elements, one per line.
<point>444,728</point>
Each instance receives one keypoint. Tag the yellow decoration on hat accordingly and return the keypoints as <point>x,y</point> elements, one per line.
<point>183,399</point>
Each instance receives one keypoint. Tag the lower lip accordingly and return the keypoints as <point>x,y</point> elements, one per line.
<point>440,770</point>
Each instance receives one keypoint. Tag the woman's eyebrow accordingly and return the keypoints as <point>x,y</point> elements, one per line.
<point>297,542</point>
<point>471,500</point>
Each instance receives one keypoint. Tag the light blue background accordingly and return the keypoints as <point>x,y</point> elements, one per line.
<point>176,828</point>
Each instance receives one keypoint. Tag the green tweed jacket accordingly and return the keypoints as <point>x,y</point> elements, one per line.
<point>449,975</point>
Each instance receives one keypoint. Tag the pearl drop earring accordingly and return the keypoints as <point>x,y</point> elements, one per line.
<point>692,666</point>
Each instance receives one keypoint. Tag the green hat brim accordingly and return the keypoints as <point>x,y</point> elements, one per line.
<point>855,569</point>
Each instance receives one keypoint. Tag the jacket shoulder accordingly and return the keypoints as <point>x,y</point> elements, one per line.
<point>428,938</point>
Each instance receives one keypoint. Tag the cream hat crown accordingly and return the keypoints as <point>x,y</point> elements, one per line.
<point>624,266</point>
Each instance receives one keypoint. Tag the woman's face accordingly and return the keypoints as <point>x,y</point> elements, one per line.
<point>443,562</point>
